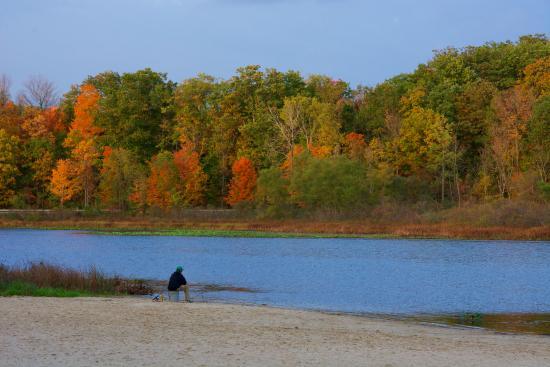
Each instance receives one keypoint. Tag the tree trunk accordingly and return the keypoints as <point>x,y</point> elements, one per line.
<point>442,182</point>
<point>457,184</point>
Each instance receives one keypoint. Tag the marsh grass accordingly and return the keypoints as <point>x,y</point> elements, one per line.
<point>499,220</point>
<point>342,230</point>
<point>47,280</point>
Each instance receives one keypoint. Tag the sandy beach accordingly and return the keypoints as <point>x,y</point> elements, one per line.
<point>138,332</point>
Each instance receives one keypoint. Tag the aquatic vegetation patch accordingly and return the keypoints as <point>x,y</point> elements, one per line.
<point>230,233</point>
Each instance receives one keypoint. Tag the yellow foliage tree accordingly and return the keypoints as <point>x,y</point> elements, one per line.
<point>537,77</point>
<point>8,166</point>
<point>64,182</point>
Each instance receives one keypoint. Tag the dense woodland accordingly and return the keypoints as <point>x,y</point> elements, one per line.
<point>471,125</point>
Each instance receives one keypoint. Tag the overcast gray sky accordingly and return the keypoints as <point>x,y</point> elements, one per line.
<point>363,42</point>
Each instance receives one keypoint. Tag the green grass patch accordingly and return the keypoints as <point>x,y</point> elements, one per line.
<point>19,288</point>
<point>229,233</point>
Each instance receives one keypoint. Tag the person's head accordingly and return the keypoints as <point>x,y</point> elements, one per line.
<point>179,269</point>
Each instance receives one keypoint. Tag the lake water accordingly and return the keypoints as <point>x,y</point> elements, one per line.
<point>385,276</point>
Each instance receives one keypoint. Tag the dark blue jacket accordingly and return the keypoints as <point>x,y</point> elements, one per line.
<point>176,281</point>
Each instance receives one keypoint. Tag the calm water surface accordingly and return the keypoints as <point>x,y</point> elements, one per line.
<point>349,275</point>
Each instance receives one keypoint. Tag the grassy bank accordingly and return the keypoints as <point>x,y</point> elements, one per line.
<point>46,280</point>
<point>282,228</point>
<point>19,288</point>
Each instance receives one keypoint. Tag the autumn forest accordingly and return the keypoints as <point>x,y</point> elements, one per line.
<point>470,126</point>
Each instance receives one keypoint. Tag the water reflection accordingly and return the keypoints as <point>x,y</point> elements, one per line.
<point>506,322</point>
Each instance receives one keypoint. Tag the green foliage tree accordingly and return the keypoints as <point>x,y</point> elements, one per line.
<point>538,139</point>
<point>502,63</point>
<point>260,95</point>
<point>375,103</point>
<point>330,184</point>
<point>470,123</point>
<point>326,89</point>
<point>118,176</point>
<point>194,98</point>
<point>471,127</point>
<point>272,197</point>
<point>136,111</point>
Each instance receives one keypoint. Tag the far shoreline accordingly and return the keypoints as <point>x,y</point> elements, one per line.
<point>283,229</point>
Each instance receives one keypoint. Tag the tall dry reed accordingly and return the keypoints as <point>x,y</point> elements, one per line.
<point>92,280</point>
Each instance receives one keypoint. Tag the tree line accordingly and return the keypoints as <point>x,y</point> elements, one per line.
<point>470,125</point>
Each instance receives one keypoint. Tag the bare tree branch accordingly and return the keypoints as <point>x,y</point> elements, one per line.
<point>39,92</point>
<point>5,85</point>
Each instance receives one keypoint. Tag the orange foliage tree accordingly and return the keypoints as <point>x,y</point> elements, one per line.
<point>243,183</point>
<point>86,106</point>
<point>10,118</point>
<point>175,179</point>
<point>191,175</point>
<point>322,151</point>
<point>162,182</point>
<point>513,109</point>
<point>355,145</point>
<point>43,123</point>
<point>64,183</point>
<point>81,139</point>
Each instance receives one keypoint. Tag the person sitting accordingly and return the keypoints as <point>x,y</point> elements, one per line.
<point>177,281</point>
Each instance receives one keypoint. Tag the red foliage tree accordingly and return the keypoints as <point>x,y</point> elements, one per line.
<point>243,183</point>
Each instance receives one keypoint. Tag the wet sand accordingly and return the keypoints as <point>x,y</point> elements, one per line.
<point>138,332</point>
